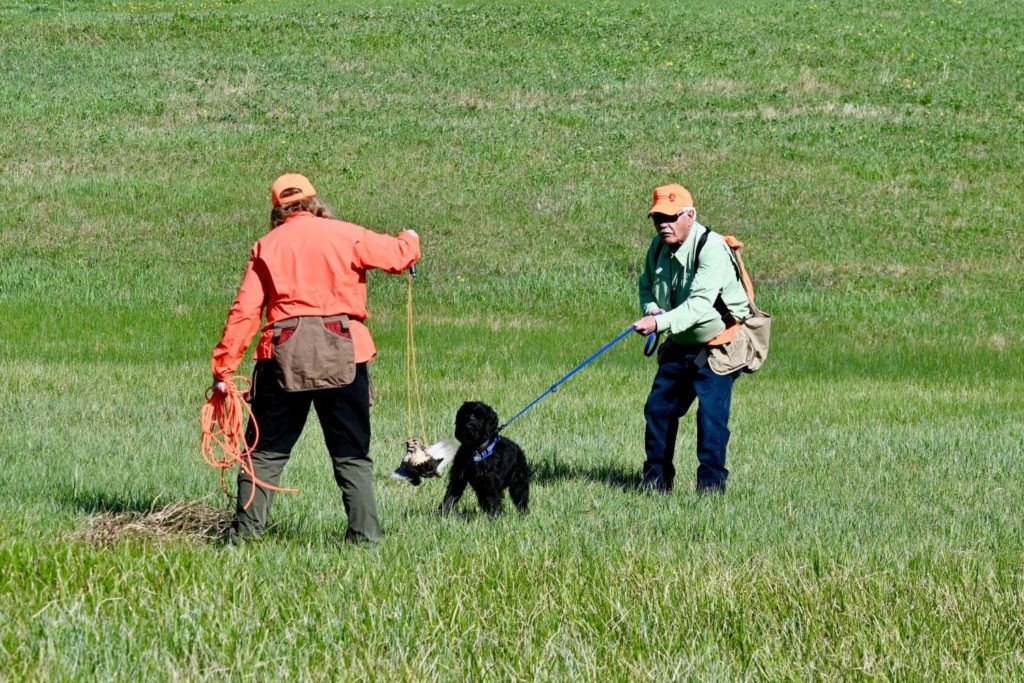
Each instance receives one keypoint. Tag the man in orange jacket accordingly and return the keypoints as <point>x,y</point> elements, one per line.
<point>309,275</point>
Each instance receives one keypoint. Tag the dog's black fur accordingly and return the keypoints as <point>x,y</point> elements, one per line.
<point>476,425</point>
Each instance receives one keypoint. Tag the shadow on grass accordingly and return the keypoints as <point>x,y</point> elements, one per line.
<point>97,502</point>
<point>609,474</point>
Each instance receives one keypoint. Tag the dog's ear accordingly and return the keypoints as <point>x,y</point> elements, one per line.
<point>465,410</point>
<point>491,418</point>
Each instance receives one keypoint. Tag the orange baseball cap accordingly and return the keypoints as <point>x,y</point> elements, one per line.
<point>291,188</point>
<point>671,200</point>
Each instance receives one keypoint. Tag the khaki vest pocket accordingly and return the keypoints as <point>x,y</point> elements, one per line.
<point>318,355</point>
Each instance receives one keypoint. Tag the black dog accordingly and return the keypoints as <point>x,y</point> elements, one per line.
<point>487,462</point>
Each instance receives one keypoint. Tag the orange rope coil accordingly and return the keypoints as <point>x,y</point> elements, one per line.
<point>224,417</point>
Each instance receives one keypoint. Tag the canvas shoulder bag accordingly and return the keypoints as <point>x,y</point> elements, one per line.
<point>314,352</point>
<point>744,345</point>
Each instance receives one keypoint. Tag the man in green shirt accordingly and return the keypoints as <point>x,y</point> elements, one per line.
<point>690,291</point>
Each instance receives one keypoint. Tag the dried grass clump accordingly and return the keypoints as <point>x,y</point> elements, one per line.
<point>190,520</point>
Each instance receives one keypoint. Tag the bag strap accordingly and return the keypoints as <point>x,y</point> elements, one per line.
<point>729,240</point>
<point>719,304</point>
<point>741,268</point>
<point>700,247</point>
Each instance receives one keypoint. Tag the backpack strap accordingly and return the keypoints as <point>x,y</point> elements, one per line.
<point>700,247</point>
<point>741,268</point>
<point>719,304</point>
<point>729,242</point>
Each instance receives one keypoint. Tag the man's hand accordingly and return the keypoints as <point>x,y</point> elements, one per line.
<point>219,387</point>
<point>646,325</point>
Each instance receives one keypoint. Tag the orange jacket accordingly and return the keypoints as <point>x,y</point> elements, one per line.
<point>309,266</point>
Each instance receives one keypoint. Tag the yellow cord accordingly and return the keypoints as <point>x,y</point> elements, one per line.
<point>412,378</point>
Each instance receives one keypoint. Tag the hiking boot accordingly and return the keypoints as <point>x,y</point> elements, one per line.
<point>239,534</point>
<point>654,482</point>
<point>358,539</point>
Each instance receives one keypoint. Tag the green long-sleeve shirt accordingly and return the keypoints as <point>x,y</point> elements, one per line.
<point>668,282</point>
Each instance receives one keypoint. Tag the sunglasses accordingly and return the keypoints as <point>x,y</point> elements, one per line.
<point>659,218</point>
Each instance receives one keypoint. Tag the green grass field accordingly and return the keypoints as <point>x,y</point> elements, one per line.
<point>870,156</point>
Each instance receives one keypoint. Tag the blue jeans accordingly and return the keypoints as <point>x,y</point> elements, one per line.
<point>683,374</point>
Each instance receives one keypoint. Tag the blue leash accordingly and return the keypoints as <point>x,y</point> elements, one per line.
<point>554,387</point>
<point>651,343</point>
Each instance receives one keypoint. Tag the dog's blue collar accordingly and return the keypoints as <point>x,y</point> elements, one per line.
<point>482,455</point>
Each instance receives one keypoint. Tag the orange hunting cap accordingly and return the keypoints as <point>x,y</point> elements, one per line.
<point>671,200</point>
<point>291,188</point>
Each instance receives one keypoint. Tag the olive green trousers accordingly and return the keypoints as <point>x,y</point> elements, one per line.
<point>344,415</point>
